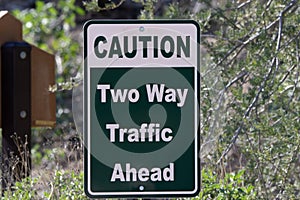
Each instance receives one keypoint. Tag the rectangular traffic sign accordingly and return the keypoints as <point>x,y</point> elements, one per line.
<point>141,89</point>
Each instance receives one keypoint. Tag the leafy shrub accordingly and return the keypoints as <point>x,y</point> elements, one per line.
<point>64,185</point>
<point>231,187</point>
<point>22,190</point>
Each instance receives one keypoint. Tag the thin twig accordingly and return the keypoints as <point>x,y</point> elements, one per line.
<point>221,97</point>
<point>283,79</point>
<point>297,73</point>
<point>279,35</point>
<point>294,157</point>
<point>269,3</point>
<point>244,4</point>
<point>229,84</point>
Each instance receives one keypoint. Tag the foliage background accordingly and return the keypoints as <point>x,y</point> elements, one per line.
<point>250,101</point>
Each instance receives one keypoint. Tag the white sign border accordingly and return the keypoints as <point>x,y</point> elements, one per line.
<point>87,179</point>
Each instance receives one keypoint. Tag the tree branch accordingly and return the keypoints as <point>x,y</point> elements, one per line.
<point>262,86</point>
<point>244,4</point>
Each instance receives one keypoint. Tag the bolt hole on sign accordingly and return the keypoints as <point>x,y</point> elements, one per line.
<point>141,112</point>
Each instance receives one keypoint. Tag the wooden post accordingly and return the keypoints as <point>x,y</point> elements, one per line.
<point>26,73</point>
<point>16,112</point>
<point>42,74</point>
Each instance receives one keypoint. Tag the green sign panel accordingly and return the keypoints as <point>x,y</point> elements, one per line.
<point>141,108</point>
